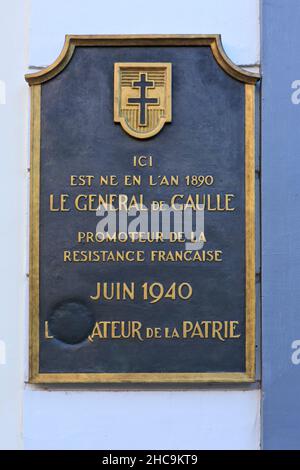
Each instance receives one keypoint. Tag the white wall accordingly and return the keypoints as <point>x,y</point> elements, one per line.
<point>91,418</point>
<point>14,30</point>
<point>236,20</point>
<point>141,420</point>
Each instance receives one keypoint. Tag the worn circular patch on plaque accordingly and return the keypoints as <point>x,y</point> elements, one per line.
<point>71,322</point>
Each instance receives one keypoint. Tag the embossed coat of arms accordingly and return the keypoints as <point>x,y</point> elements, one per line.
<point>142,97</point>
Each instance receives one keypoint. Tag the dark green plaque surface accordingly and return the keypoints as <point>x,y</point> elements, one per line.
<point>206,337</point>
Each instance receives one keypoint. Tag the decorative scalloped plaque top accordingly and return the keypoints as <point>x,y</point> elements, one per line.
<point>72,41</point>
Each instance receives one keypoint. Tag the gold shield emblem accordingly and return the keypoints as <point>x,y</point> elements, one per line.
<point>142,101</point>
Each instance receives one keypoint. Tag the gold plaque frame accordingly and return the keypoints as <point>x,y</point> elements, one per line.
<point>249,79</point>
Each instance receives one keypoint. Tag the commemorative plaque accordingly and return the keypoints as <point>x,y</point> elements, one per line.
<point>142,244</point>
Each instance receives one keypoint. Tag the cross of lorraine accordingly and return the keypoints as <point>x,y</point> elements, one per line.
<point>142,97</point>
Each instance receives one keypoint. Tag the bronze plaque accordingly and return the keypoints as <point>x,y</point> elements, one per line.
<point>142,244</point>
